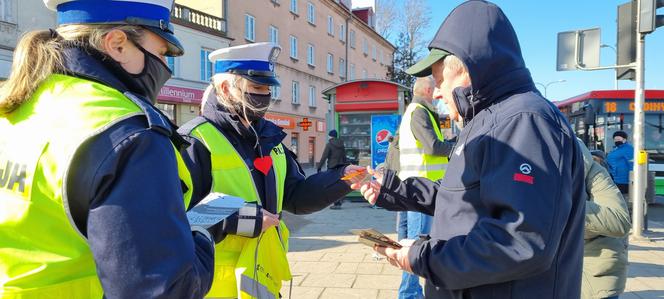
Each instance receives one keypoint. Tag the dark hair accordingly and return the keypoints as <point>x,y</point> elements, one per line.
<point>620,133</point>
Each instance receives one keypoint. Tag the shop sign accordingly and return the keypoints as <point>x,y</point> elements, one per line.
<point>282,121</point>
<point>305,124</point>
<point>180,95</point>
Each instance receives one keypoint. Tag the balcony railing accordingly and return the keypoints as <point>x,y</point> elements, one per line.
<point>198,20</point>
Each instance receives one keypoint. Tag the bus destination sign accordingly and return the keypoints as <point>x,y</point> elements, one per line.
<point>628,107</point>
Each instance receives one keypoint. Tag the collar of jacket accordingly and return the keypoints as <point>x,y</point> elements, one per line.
<point>426,104</point>
<point>88,63</point>
<point>269,134</point>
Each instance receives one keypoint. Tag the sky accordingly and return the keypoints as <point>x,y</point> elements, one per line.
<point>537,24</point>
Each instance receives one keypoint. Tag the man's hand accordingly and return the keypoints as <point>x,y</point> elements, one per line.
<point>371,188</point>
<point>269,220</point>
<point>351,169</point>
<point>396,257</point>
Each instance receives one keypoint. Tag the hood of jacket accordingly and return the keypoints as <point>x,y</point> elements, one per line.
<point>336,143</point>
<point>490,49</point>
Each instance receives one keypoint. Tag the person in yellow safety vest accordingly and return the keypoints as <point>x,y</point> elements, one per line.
<point>236,151</point>
<point>423,152</point>
<point>93,189</point>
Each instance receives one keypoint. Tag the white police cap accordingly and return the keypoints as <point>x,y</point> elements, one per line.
<point>153,15</point>
<point>255,62</point>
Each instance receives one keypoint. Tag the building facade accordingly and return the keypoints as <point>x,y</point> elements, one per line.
<point>200,33</point>
<point>16,18</point>
<point>324,42</point>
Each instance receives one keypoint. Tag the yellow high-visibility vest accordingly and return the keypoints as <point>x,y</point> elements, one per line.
<point>42,253</point>
<point>246,267</point>
<point>412,159</point>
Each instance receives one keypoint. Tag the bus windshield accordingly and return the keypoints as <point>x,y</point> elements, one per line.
<point>654,130</point>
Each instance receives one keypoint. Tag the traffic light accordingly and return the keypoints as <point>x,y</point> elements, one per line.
<point>649,20</point>
<point>626,37</point>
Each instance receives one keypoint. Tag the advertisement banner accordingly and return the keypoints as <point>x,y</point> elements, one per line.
<point>285,122</point>
<point>180,95</point>
<point>382,128</point>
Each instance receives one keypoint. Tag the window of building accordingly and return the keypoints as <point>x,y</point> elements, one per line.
<point>311,54</point>
<point>275,92</point>
<point>373,52</point>
<point>207,68</point>
<point>364,74</point>
<point>312,96</point>
<point>380,54</point>
<point>311,13</point>
<point>330,25</point>
<point>330,63</point>
<point>351,36</point>
<point>273,34</point>
<point>342,32</point>
<point>7,13</point>
<point>249,33</point>
<point>293,6</point>
<point>172,65</point>
<point>351,75</point>
<point>296,93</point>
<point>168,110</point>
<point>293,47</point>
<point>365,46</point>
<point>342,68</point>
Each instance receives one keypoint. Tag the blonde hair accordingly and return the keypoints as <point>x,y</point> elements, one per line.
<point>39,54</point>
<point>455,64</point>
<point>240,106</point>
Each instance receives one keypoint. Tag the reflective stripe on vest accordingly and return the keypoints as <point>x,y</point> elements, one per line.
<point>413,161</point>
<point>231,175</point>
<point>42,253</point>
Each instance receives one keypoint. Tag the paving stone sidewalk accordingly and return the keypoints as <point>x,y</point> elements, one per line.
<point>327,262</point>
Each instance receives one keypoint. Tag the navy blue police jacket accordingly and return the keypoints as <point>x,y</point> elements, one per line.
<point>302,195</point>
<point>125,196</point>
<point>508,216</point>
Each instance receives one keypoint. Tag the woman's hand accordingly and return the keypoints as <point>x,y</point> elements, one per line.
<point>269,220</point>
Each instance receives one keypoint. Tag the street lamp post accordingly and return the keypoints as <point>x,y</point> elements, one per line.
<point>615,84</point>
<point>549,83</point>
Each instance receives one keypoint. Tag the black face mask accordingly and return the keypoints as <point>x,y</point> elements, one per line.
<point>259,101</point>
<point>618,143</point>
<point>153,77</point>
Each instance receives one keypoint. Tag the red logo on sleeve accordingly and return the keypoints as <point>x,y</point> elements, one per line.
<point>524,176</point>
<point>520,177</point>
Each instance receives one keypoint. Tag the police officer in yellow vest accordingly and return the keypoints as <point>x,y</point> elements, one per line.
<point>92,187</point>
<point>423,152</point>
<point>235,151</point>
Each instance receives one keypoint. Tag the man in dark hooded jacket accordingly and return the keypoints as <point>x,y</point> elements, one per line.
<point>334,152</point>
<point>335,155</point>
<point>509,214</point>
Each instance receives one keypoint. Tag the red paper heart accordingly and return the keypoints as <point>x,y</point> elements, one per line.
<point>263,164</point>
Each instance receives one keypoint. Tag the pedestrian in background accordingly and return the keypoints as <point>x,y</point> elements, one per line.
<point>509,214</point>
<point>423,152</point>
<point>335,156</point>
<point>97,208</point>
<point>621,161</point>
<point>605,235</point>
<point>235,151</point>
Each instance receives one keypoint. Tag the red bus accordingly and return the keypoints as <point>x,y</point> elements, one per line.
<point>596,115</point>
